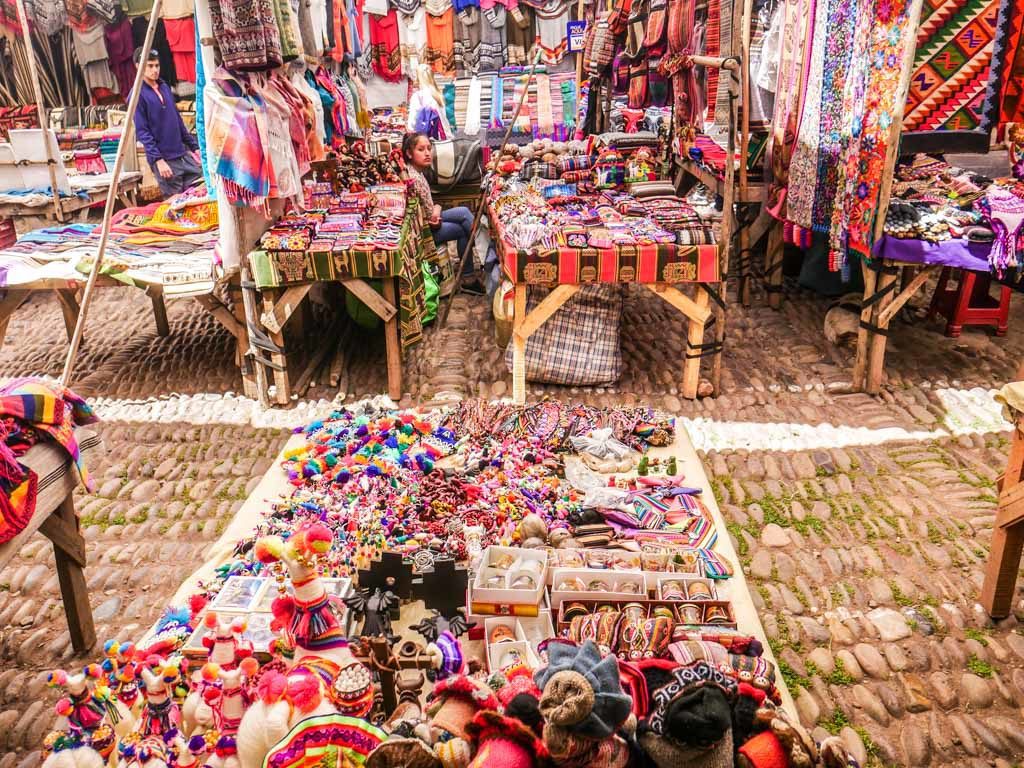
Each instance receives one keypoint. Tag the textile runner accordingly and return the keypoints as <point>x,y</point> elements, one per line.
<point>952,66</point>
<point>653,263</point>
<point>274,269</point>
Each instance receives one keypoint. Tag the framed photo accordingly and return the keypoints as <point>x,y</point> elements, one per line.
<point>239,594</point>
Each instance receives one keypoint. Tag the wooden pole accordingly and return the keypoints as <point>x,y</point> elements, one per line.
<point>746,19</point>
<point>51,161</point>
<point>108,210</point>
<point>482,203</point>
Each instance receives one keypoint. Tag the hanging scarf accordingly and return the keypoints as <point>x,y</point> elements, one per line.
<point>472,127</point>
<point>236,137</point>
<point>247,34</point>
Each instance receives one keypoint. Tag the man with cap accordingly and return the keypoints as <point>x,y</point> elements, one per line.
<point>172,152</point>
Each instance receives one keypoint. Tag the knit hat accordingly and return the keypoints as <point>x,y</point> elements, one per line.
<point>403,753</point>
<point>504,742</point>
<point>694,706</point>
<point>455,700</point>
<point>669,753</point>
<point>582,692</point>
<point>763,751</point>
<point>454,753</point>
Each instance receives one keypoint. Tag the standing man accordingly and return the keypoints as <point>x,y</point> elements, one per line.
<point>171,150</point>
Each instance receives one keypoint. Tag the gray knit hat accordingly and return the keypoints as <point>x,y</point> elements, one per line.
<point>581,690</point>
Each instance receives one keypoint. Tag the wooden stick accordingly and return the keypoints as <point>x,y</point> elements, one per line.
<point>306,377</point>
<point>108,210</point>
<point>51,161</point>
<point>483,194</point>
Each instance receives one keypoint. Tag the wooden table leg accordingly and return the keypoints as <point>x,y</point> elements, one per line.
<point>70,574</point>
<point>69,308</point>
<point>864,336</point>
<point>519,346</point>
<point>392,342</point>
<point>282,382</point>
<point>156,295</point>
<point>8,304</point>
<point>773,266</point>
<point>694,341</point>
<point>1003,565</point>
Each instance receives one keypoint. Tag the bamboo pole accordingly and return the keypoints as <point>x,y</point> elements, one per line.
<point>483,195</point>
<point>108,209</point>
<point>51,161</point>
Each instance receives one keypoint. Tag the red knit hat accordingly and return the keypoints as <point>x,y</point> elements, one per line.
<point>504,742</point>
<point>765,751</point>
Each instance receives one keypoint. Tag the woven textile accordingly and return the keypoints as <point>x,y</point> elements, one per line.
<point>579,344</point>
<point>1009,57</point>
<point>951,68</point>
<point>655,263</point>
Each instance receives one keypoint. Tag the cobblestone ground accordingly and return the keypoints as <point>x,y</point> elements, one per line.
<point>865,560</point>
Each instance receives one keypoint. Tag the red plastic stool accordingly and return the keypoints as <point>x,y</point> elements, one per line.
<point>970,303</point>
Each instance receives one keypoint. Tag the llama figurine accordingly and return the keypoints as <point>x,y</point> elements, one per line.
<point>227,647</point>
<point>231,699</point>
<point>281,702</point>
<point>313,620</point>
<point>68,751</point>
<point>160,713</point>
<point>122,675</point>
<point>225,650</point>
<point>88,704</point>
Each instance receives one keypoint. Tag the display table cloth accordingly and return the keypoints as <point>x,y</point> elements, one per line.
<point>958,253</point>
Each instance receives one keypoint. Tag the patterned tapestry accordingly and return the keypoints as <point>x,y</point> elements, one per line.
<point>951,68</point>
<point>1009,55</point>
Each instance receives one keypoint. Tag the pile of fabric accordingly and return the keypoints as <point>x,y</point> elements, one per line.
<point>562,196</point>
<point>32,410</point>
<point>936,202</point>
<point>169,244</point>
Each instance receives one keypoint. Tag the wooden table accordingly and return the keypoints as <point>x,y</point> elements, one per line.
<point>68,293</point>
<point>27,218</point>
<point>562,270</point>
<point>55,518</point>
<point>1000,584</point>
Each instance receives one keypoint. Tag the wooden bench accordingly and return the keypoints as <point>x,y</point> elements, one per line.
<point>55,518</point>
<point>1008,537</point>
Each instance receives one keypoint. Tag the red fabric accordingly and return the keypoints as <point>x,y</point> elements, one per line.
<point>1011,103</point>
<point>387,59</point>
<point>181,39</point>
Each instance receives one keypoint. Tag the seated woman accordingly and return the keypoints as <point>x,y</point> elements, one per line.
<point>455,223</point>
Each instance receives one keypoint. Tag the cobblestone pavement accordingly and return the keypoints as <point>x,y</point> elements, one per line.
<point>865,559</point>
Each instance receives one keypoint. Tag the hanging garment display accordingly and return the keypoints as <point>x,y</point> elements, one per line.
<point>119,45</point>
<point>492,38</point>
<point>519,36</point>
<point>177,9</point>
<point>467,40</point>
<point>385,47</point>
<point>551,22</point>
<point>1007,92</point>
<point>91,50</point>
<point>48,16</point>
<point>412,36</point>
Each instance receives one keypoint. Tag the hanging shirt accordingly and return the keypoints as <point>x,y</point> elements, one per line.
<point>386,53</point>
<point>412,35</point>
<point>440,51</point>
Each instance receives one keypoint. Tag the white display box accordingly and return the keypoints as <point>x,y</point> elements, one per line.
<point>621,585</point>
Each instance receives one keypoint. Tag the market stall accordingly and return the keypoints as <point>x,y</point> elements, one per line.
<point>296,639</point>
<point>165,249</point>
<point>349,238</point>
<point>598,217</point>
<point>939,217</point>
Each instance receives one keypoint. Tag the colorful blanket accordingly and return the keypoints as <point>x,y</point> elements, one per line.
<point>52,409</point>
<point>952,66</point>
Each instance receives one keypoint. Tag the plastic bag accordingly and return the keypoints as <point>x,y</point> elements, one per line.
<point>602,444</point>
<point>430,294</point>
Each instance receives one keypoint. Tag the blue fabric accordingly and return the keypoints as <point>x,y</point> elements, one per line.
<point>456,224</point>
<point>355,23</point>
<point>159,126</point>
<point>211,188</point>
<point>328,101</point>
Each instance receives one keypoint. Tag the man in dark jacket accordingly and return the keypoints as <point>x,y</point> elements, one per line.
<point>171,150</point>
